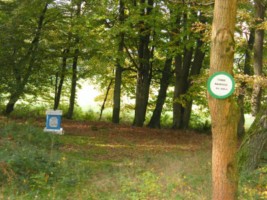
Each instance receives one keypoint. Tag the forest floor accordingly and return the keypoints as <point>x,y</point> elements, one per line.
<point>101,160</point>
<point>140,136</point>
<point>145,163</point>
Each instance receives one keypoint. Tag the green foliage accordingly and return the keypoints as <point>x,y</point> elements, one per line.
<point>98,28</point>
<point>28,111</point>
<point>166,119</point>
<point>28,161</point>
<point>91,115</point>
<point>253,185</point>
<point>200,121</point>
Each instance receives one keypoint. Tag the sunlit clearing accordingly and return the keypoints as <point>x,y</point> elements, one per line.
<point>86,96</point>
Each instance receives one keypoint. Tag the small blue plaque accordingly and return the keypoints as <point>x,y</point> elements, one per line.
<point>53,121</point>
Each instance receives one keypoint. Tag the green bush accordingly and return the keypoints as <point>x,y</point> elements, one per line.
<point>200,122</point>
<point>25,110</point>
<point>27,157</point>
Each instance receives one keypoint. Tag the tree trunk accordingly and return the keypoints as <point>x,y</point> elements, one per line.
<point>182,68</point>
<point>177,68</point>
<point>12,101</point>
<point>74,69</point>
<point>22,81</point>
<point>251,148</point>
<point>105,99</point>
<point>164,83</point>
<point>258,55</point>
<point>247,71</point>
<point>61,77</point>
<point>195,70</point>
<point>73,85</point>
<point>118,72</point>
<point>142,94</point>
<point>224,112</point>
<point>176,105</point>
<point>117,95</point>
<point>144,70</point>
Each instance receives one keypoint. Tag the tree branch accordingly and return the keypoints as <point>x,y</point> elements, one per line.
<point>130,56</point>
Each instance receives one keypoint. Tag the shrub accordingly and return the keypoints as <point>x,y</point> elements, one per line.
<point>27,157</point>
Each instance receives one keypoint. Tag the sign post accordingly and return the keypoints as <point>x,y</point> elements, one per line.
<point>221,85</point>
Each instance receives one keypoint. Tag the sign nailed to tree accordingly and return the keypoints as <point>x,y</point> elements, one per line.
<point>221,85</point>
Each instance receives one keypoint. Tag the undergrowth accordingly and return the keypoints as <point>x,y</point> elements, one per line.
<point>38,165</point>
<point>199,120</point>
<point>31,165</point>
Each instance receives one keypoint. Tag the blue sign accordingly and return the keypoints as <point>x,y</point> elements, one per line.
<point>53,121</point>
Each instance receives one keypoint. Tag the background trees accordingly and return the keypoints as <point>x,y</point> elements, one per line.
<point>155,53</point>
<point>21,46</point>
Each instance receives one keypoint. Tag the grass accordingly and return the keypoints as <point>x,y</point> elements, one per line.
<point>109,162</point>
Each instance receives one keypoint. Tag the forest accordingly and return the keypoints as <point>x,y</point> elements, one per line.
<point>150,61</point>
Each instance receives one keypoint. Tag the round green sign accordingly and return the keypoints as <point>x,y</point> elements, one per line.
<point>221,85</point>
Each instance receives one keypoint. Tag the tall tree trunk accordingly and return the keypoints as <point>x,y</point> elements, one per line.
<point>224,112</point>
<point>251,148</point>
<point>247,71</point>
<point>164,83</point>
<point>258,55</point>
<point>73,85</point>
<point>61,77</point>
<point>195,70</point>
<point>142,94</point>
<point>256,137</point>
<point>56,89</point>
<point>119,70</point>
<point>117,94</point>
<point>177,68</point>
<point>182,68</point>
<point>144,69</point>
<point>31,54</point>
<point>74,69</point>
<point>176,105</point>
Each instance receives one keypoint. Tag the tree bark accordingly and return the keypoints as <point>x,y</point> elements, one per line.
<point>177,67</point>
<point>119,70</point>
<point>182,68</point>
<point>73,85</point>
<point>247,71</point>
<point>14,97</point>
<point>176,105</point>
<point>61,77</point>
<point>195,70</point>
<point>251,148</point>
<point>74,78</point>
<point>144,69</point>
<point>183,64</point>
<point>224,112</point>
<point>258,55</point>
<point>164,83</point>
